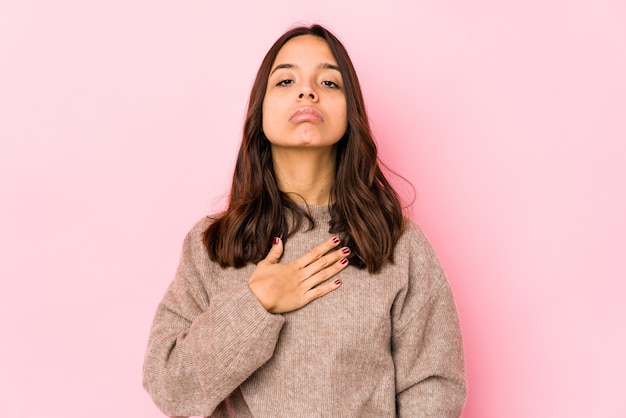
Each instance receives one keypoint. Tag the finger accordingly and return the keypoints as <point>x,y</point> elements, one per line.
<point>316,253</point>
<point>275,252</point>
<point>325,274</point>
<point>325,261</point>
<point>319,291</point>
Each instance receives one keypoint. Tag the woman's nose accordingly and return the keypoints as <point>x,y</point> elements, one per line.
<point>307,92</point>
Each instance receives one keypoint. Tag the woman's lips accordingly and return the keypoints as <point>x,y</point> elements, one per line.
<point>306,114</point>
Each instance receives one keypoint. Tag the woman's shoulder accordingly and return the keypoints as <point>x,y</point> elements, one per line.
<point>196,234</point>
<point>413,233</point>
<point>415,245</point>
<point>419,266</point>
<point>201,225</point>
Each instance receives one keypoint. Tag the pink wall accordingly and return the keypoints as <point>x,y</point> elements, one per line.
<point>119,121</point>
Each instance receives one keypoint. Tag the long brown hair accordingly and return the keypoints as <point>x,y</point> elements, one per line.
<point>365,210</point>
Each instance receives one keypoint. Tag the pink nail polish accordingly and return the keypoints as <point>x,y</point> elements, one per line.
<point>337,282</point>
<point>335,240</point>
<point>345,250</point>
<point>344,261</point>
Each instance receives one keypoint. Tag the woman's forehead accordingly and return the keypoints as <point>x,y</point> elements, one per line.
<point>304,49</point>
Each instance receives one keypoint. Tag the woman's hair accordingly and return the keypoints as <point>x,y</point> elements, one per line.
<point>365,210</point>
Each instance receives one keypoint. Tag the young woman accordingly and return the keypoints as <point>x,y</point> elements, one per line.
<point>311,295</point>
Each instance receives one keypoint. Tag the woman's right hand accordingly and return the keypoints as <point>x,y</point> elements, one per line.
<point>286,287</point>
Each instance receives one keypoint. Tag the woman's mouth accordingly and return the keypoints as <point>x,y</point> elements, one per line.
<point>306,114</point>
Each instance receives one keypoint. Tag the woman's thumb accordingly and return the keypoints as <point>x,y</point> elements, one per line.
<point>275,252</point>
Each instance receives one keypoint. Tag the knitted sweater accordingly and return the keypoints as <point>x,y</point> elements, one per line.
<point>381,345</point>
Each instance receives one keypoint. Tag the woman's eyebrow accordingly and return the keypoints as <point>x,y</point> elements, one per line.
<point>328,66</point>
<point>323,65</point>
<point>280,66</point>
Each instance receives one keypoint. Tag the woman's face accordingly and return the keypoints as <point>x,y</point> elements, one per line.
<point>305,102</point>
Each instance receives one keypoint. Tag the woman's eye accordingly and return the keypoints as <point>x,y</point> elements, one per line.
<point>284,82</point>
<point>331,84</point>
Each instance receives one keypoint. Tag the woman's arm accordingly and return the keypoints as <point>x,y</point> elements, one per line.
<point>427,345</point>
<point>199,353</point>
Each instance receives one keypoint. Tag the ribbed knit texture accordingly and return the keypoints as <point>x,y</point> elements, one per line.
<point>382,345</point>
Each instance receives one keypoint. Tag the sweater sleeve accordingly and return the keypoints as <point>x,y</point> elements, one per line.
<point>427,345</point>
<point>200,352</point>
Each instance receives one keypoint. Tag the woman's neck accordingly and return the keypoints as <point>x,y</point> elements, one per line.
<point>306,175</point>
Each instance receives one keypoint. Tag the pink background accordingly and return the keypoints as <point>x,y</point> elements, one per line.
<point>119,123</point>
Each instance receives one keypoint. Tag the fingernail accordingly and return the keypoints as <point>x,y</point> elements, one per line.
<point>336,240</point>
<point>337,282</point>
<point>345,250</point>
<point>276,240</point>
<point>344,261</point>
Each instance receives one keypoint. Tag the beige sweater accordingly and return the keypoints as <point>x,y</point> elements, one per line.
<point>382,345</point>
